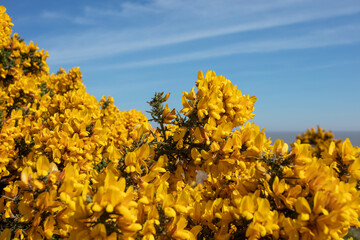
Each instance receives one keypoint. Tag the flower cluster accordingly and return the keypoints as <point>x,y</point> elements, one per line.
<point>320,140</point>
<point>218,105</point>
<point>5,25</point>
<point>72,167</point>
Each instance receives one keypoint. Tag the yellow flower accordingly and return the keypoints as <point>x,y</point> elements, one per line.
<point>196,156</point>
<point>279,186</point>
<point>26,175</point>
<point>178,229</point>
<point>183,202</point>
<point>187,108</point>
<point>280,148</point>
<point>303,208</point>
<point>26,211</point>
<point>354,168</point>
<point>248,206</point>
<point>303,154</point>
<point>321,199</point>
<point>49,227</point>
<point>131,162</point>
<point>291,195</point>
<point>113,153</point>
<point>167,115</point>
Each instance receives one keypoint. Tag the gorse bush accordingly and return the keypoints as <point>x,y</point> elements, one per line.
<point>72,167</point>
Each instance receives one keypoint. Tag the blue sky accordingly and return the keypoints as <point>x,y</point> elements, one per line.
<point>300,58</point>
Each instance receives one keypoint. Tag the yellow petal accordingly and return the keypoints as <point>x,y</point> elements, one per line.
<point>6,234</point>
<point>99,232</point>
<point>42,165</point>
<point>26,175</point>
<point>169,212</point>
<point>49,227</point>
<point>167,96</point>
<point>302,206</point>
<point>195,230</point>
<point>96,207</point>
<point>166,111</point>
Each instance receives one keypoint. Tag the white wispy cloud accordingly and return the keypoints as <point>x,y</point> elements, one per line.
<point>326,37</point>
<point>79,20</point>
<point>168,22</point>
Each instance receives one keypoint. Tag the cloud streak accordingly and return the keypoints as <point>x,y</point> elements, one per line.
<point>329,37</point>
